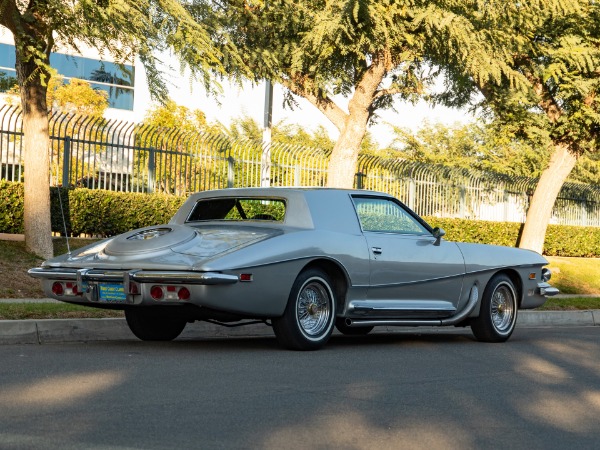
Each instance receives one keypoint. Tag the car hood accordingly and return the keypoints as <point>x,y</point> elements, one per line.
<point>481,257</point>
<point>174,247</point>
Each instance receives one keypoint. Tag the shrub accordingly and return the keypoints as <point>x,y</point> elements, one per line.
<point>105,213</point>
<point>11,213</point>
<point>102,213</point>
<point>89,212</point>
<point>561,240</point>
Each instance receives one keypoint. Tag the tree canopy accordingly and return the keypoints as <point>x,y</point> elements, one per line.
<point>79,97</point>
<point>554,46</point>
<point>477,145</point>
<point>118,29</point>
<point>172,115</point>
<point>371,52</point>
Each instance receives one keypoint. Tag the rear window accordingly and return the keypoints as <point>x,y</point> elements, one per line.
<point>239,209</point>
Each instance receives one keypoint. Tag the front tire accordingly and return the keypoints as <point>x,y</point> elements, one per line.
<point>498,312</point>
<point>309,316</point>
<point>153,324</point>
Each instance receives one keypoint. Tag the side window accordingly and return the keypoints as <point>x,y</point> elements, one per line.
<point>384,215</point>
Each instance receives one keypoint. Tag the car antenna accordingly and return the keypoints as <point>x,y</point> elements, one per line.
<point>62,212</point>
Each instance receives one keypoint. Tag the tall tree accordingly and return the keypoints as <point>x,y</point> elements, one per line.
<point>555,45</point>
<point>121,28</point>
<point>477,145</point>
<point>367,51</point>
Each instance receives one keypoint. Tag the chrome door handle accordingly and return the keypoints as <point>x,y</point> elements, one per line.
<point>376,250</point>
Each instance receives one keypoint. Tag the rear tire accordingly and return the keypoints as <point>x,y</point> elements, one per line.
<point>498,311</point>
<point>309,316</point>
<point>153,324</point>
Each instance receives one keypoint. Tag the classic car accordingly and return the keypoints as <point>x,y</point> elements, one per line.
<point>302,260</point>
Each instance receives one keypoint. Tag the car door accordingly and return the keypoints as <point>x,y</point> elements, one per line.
<point>412,273</point>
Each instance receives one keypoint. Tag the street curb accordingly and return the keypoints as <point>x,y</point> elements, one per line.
<point>558,318</point>
<point>48,331</point>
<point>18,332</point>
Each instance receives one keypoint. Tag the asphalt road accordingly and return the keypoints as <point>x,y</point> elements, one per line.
<point>434,390</point>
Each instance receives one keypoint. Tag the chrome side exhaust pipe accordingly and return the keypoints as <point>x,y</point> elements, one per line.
<point>457,318</point>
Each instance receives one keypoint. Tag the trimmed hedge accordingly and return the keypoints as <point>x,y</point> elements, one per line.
<point>102,213</point>
<point>561,240</point>
<point>11,207</point>
<point>91,212</point>
<point>105,213</point>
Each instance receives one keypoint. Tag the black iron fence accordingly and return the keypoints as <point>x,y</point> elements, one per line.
<point>124,156</point>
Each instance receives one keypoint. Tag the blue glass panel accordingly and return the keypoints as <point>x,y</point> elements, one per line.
<point>119,79</point>
<point>92,70</point>
<point>7,56</point>
<point>118,97</point>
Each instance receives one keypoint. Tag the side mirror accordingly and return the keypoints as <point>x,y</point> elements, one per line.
<point>438,233</point>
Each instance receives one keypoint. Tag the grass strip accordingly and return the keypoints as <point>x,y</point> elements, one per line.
<point>571,304</point>
<point>575,275</point>
<point>24,311</point>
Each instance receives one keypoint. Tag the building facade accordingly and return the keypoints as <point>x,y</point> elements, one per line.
<point>122,82</point>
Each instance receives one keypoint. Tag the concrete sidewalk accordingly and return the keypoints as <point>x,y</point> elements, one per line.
<point>86,330</point>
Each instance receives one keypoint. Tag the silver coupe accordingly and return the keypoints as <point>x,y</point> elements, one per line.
<point>303,261</point>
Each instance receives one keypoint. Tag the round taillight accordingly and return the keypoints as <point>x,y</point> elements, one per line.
<point>184,293</point>
<point>156,292</point>
<point>57,288</point>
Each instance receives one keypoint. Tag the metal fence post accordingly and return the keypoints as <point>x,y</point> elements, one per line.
<point>151,169</point>
<point>297,176</point>
<point>230,171</point>
<point>359,180</point>
<point>66,162</point>
<point>463,201</point>
<point>412,193</point>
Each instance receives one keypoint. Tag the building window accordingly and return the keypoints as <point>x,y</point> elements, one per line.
<point>117,80</point>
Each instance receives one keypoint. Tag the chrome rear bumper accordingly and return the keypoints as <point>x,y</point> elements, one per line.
<point>126,276</point>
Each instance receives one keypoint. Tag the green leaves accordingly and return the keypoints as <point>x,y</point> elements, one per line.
<point>121,29</point>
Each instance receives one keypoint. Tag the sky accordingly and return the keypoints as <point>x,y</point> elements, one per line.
<point>248,100</point>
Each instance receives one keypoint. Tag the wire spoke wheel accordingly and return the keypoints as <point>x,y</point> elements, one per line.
<point>498,311</point>
<point>309,317</point>
<point>313,309</point>
<point>503,308</point>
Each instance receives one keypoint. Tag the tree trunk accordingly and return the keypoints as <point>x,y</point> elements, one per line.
<point>344,157</point>
<point>36,145</point>
<point>342,164</point>
<point>544,198</point>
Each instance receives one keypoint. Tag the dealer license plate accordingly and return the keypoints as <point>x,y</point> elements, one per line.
<point>112,293</point>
